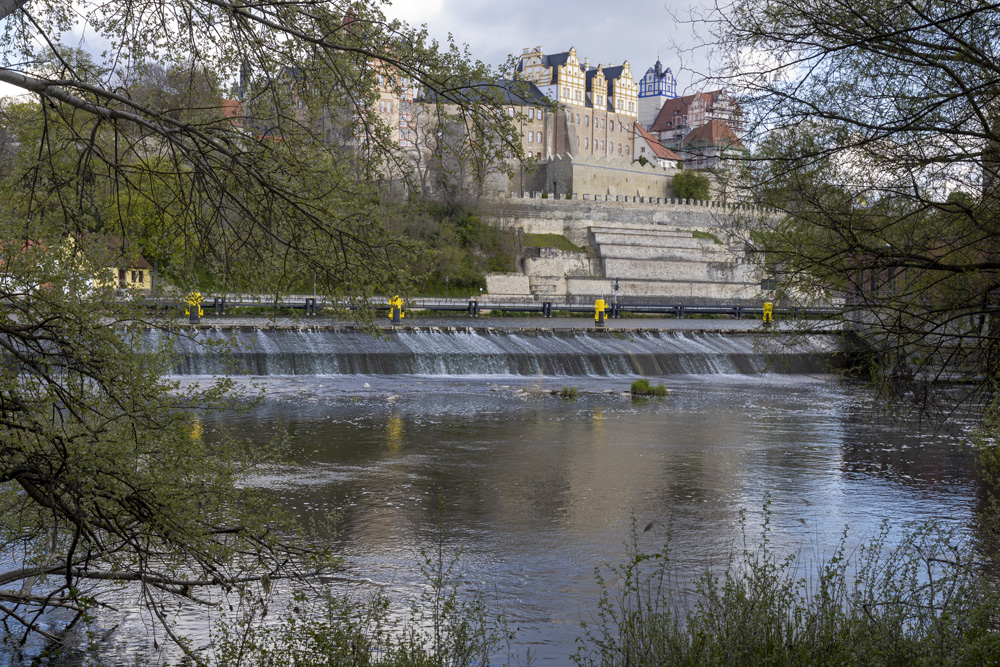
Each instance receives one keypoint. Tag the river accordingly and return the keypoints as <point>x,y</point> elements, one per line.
<point>536,491</point>
<point>449,434</point>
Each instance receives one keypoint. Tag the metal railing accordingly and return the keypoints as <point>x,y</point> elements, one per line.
<point>219,305</point>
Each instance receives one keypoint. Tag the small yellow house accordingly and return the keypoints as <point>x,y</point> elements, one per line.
<point>126,268</point>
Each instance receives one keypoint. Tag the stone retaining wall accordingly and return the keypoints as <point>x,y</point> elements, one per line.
<point>647,245</point>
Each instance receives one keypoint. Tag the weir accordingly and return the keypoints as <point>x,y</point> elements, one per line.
<point>479,352</point>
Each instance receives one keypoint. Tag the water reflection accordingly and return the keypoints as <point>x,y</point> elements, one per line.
<point>536,491</point>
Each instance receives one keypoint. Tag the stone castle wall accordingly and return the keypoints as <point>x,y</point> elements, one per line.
<point>588,177</point>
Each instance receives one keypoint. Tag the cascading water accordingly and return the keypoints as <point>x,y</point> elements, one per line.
<point>527,352</point>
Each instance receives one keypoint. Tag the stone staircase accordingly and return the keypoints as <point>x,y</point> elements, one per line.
<point>648,247</point>
<point>656,263</point>
<point>649,262</point>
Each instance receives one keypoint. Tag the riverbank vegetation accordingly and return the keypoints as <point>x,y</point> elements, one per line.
<point>893,207</point>
<point>917,595</point>
<point>642,387</point>
<point>927,600</point>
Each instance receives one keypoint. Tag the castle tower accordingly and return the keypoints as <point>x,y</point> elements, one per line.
<point>656,87</point>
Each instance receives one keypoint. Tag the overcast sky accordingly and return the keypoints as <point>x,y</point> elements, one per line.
<point>608,32</point>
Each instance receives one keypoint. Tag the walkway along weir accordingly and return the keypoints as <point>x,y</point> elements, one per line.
<point>459,351</point>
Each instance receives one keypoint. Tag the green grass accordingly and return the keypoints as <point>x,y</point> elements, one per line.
<point>569,392</point>
<point>643,388</point>
<point>557,241</point>
<point>708,236</point>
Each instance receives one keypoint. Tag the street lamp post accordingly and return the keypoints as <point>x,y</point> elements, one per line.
<point>616,299</point>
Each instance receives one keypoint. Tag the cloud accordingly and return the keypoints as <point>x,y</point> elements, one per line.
<point>415,12</point>
<point>606,32</point>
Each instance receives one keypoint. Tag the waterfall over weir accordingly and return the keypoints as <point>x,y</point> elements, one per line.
<point>528,352</point>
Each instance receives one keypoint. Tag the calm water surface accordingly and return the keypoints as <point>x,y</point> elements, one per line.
<point>536,492</point>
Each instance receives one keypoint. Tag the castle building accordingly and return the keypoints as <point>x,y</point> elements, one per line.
<point>396,97</point>
<point>702,128</point>
<point>599,104</point>
<point>680,116</point>
<point>708,146</point>
<point>648,147</point>
<point>656,87</point>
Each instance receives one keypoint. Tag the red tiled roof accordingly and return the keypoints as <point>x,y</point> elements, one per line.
<point>659,150</point>
<point>232,109</point>
<point>714,133</point>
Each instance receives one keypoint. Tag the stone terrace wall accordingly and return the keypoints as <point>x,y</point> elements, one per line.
<point>646,242</point>
<point>536,215</point>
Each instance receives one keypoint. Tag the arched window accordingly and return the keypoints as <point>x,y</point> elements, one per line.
<point>586,142</point>
<point>531,137</point>
<point>586,121</point>
<point>577,119</point>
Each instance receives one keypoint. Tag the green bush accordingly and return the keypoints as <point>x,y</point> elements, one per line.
<point>689,184</point>
<point>442,628</point>
<point>643,388</point>
<point>569,392</point>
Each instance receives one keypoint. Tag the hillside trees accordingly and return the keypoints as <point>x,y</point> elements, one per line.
<point>308,76</point>
<point>104,481</point>
<point>875,129</point>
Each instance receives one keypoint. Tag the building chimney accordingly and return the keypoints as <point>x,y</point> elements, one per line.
<point>586,63</point>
